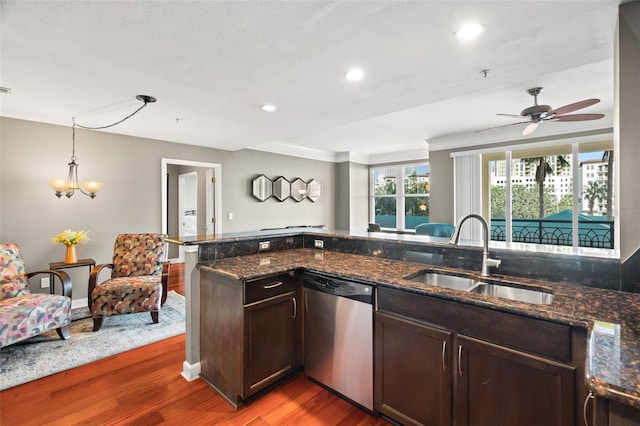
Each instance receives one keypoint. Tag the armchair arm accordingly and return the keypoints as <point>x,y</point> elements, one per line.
<point>93,277</point>
<point>65,281</point>
<point>165,281</point>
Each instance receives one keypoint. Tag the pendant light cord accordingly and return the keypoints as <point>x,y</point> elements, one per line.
<point>143,98</point>
<point>110,125</point>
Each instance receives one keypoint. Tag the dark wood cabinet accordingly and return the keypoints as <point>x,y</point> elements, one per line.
<point>250,332</point>
<point>270,351</point>
<point>605,412</point>
<point>495,368</point>
<point>500,386</point>
<point>413,371</point>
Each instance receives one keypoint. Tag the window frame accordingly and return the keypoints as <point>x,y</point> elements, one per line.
<point>577,146</point>
<point>400,195</point>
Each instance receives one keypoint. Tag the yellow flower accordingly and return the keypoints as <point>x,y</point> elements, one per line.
<point>69,237</point>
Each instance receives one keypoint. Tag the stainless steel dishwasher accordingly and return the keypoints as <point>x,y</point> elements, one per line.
<point>338,336</point>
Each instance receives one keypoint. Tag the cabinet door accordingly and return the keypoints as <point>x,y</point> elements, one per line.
<point>412,371</point>
<point>499,386</point>
<point>270,339</point>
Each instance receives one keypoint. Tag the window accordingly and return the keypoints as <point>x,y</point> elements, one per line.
<point>567,203</point>
<point>400,188</point>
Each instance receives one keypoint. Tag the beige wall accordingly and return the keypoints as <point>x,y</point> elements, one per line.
<point>352,196</point>
<point>441,189</point>
<point>30,214</point>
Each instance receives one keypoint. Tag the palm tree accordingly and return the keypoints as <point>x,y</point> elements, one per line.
<point>594,190</point>
<point>543,169</point>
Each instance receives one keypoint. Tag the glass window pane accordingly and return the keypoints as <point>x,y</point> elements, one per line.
<point>384,180</point>
<point>541,186</point>
<point>497,195</point>
<point>385,212</point>
<point>416,179</point>
<point>416,211</point>
<point>596,221</point>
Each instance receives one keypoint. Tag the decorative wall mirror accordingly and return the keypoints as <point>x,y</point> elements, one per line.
<point>262,187</point>
<point>281,188</point>
<point>314,190</point>
<point>298,189</point>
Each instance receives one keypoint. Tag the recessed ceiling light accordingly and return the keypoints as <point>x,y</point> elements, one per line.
<point>469,31</point>
<point>354,74</point>
<point>269,107</point>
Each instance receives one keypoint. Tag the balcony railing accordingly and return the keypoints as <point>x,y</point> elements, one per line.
<point>591,233</point>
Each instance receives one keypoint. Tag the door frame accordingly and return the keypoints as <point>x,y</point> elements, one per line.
<point>213,198</point>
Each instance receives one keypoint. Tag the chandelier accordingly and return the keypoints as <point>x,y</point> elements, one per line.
<point>69,186</point>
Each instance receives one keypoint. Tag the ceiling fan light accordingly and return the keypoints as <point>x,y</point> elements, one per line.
<point>530,129</point>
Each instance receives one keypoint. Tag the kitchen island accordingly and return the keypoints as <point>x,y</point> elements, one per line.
<point>611,357</point>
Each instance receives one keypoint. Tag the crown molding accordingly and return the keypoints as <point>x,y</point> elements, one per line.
<point>296,151</point>
<point>345,156</point>
<point>506,135</point>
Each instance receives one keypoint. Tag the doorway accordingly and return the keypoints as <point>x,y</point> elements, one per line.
<point>191,194</point>
<point>188,204</point>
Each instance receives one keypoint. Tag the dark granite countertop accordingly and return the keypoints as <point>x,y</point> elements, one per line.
<point>612,317</point>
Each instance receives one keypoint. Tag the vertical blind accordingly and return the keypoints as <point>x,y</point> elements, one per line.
<point>467,186</point>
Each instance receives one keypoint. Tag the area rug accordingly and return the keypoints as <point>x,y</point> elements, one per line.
<point>47,354</point>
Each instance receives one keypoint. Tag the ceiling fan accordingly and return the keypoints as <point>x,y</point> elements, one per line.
<point>536,114</point>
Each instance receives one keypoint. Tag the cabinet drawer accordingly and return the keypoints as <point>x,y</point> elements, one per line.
<point>265,288</point>
<point>532,335</point>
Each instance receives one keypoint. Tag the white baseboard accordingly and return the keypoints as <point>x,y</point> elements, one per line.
<point>79,303</point>
<point>190,372</point>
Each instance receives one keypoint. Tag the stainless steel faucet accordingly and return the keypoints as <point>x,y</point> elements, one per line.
<point>487,262</point>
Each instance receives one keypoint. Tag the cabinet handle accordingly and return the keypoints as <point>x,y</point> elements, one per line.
<point>585,406</point>
<point>295,308</point>
<point>274,285</point>
<point>444,352</point>
<point>460,360</point>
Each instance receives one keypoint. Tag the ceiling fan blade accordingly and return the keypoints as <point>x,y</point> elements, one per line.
<point>505,125</point>
<point>577,117</point>
<point>530,128</point>
<point>511,115</point>
<point>574,106</point>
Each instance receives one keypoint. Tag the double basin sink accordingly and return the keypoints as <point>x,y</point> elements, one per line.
<point>488,287</point>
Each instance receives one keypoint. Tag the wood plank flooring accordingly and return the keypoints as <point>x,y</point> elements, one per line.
<point>144,387</point>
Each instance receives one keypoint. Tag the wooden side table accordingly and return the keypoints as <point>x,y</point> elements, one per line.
<point>61,265</point>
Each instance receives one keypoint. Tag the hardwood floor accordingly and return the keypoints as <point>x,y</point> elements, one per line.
<point>144,387</point>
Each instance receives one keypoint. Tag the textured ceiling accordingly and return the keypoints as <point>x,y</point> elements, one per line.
<point>213,64</point>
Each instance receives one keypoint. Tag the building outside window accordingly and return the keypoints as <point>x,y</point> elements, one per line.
<point>410,197</point>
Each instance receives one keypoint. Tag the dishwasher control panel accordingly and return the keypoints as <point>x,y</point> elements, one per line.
<point>339,287</point>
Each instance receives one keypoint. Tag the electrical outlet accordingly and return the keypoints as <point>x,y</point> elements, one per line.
<point>318,243</point>
<point>44,282</point>
<point>264,245</point>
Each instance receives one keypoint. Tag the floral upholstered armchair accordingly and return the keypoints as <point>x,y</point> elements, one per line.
<point>24,314</point>
<point>139,279</point>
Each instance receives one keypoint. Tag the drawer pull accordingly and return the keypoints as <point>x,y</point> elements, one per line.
<point>295,308</point>
<point>444,352</point>
<point>585,408</point>
<point>274,285</point>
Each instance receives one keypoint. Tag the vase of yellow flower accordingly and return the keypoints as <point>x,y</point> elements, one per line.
<point>70,238</point>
